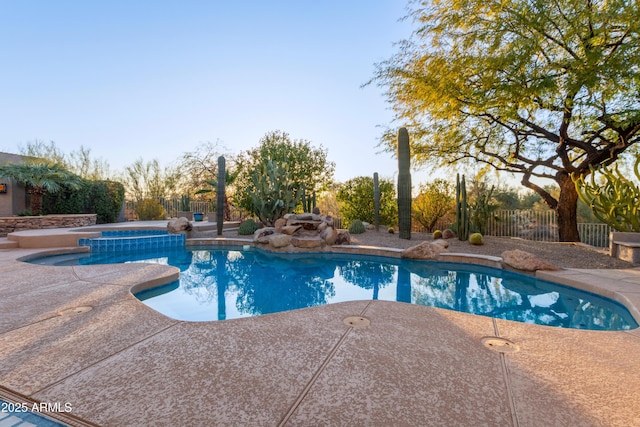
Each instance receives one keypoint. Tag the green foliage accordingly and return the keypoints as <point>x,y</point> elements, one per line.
<point>356,227</point>
<point>273,194</point>
<point>104,198</point>
<point>78,162</point>
<point>434,201</point>
<point>148,179</point>
<point>615,200</point>
<point>476,239</point>
<point>356,198</point>
<point>221,196</point>
<point>404,185</point>
<point>462,209</point>
<point>150,209</point>
<point>307,166</point>
<point>536,88</point>
<point>248,227</point>
<point>437,234</point>
<point>41,177</point>
<point>185,203</point>
<point>308,200</point>
<point>376,201</point>
<point>483,208</point>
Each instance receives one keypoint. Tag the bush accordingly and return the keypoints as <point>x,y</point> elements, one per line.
<point>248,227</point>
<point>437,234</point>
<point>103,198</point>
<point>150,209</point>
<point>476,239</point>
<point>356,227</point>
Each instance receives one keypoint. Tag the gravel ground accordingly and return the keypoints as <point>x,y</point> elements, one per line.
<point>563,255</point>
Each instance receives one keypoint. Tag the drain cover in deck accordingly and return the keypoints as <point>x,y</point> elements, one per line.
<point>356,321</point>
<point>501,345</point>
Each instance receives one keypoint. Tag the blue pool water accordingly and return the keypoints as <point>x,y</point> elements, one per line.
<point>229,283</point>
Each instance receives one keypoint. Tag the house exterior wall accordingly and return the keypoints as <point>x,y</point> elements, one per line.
<point>14,200</point>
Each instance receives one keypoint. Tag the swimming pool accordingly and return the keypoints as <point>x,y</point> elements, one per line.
<point>218,283</point>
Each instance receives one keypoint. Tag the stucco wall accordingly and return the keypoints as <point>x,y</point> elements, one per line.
<point>14,200</point>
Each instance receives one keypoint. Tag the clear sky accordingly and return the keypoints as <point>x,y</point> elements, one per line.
<point>153,79</point>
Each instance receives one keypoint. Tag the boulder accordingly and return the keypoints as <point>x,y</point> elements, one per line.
<point>289,229</point>
<point>307,242</point>
<point>262,235</point>
<point>448,234</point>
<point>521,260</point>
<point>279,224</point>
<point>424,250</point>
<point>441,242</point>
<point>343,238</point>
<point>330,221</point>
<point>329,235</point>
<point>179,225</point>
<point>279,240</point>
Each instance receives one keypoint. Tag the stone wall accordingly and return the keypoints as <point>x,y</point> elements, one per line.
<point>21,223</point>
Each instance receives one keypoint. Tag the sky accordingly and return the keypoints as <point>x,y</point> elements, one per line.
<point>155,79</point>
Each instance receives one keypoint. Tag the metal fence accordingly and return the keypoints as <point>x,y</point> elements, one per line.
<point>173,206</point>
<point>542,226</point>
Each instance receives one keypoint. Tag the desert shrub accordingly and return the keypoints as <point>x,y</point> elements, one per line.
<point>248,227</point>
<point>437,234</point>
<point>150,209</point>
<point>356,227</point>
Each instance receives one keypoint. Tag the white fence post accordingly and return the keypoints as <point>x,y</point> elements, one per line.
<point>541,226</point>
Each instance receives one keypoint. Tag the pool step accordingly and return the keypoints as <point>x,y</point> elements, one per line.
<point>7,244</point>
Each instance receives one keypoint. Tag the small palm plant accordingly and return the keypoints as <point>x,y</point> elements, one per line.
<point>41,177</point>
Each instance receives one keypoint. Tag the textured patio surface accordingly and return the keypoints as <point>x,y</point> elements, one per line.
<point>77,336</point>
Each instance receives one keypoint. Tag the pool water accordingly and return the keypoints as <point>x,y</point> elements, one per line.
<point>229,283</point>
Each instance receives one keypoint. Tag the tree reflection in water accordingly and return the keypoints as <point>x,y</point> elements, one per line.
<point>368,274</point>
<point>229,284</point>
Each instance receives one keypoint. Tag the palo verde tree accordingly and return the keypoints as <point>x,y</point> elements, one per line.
<point>544,89</point>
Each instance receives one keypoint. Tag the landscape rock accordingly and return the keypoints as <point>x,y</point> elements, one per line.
<point>279,240</point>
<point>179,226</point>
<point>280,224</point>
<point>289,229</point>
<point>521,260</point>
<point>329,235</point>
<point>262,235</point>
<point>424,250</point>
<point>343,238</point>
<point>441,242</point>
<point>448,234</point>
<point>307,242</point>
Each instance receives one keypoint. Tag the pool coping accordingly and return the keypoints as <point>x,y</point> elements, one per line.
<point>550,359</point>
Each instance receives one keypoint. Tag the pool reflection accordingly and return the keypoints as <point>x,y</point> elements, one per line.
<point>219,285</point>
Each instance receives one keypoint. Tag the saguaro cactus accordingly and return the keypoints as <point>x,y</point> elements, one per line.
<point>376,201</point>
<point>404,185</point>
<point>220,194</point>
<point>462,209</point>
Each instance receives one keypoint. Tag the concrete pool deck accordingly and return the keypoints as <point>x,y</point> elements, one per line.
<point>75,337</point>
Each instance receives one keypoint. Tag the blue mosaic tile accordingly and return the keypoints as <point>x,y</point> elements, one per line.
<point>128,243</point>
